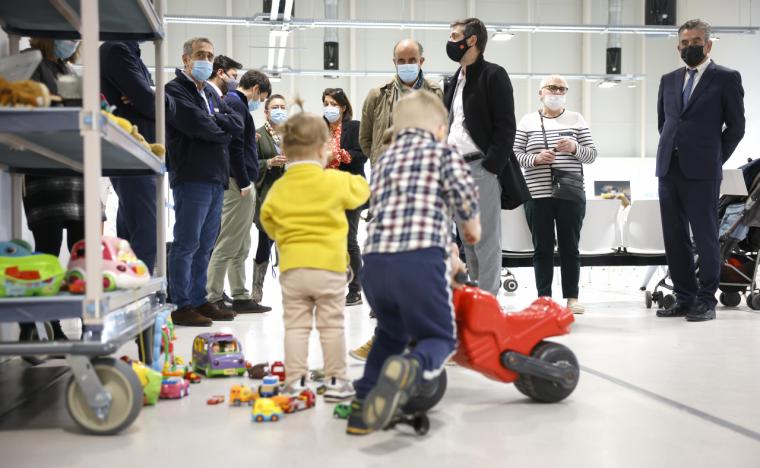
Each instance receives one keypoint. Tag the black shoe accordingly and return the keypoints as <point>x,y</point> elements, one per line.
<point>356,424</point>
<point>701,313</point>
<point>248,306</point>
<point>677,310</point>
<point>227,299</point>
<point>395,384</point>
<point>353,298</point>
<point>211,311</point>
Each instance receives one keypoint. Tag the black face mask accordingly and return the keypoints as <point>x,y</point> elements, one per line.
<point>693,55</point>
<point>456,50</point>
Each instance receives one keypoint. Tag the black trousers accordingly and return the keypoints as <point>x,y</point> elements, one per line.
<point>694,203</point>
<point>354,252</point>
<point>264,247</point>
<point>543,215</point>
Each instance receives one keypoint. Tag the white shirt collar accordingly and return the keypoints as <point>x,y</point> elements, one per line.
<point>700,68</point>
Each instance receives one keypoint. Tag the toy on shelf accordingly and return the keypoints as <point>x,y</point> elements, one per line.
<point>278,370</point>
<point>218,354</point>
<point>269,387</point>
<point>258,371</point>
<point>342,410</point>
<point>24,93</point>
<point>174,388</point>
<point>157,149</point>
<point>121,268</point>
<point>266,410</point>
<point>24,273</point>
<point>149,379</point>
<point>215,400</point>
<point>240,394</point>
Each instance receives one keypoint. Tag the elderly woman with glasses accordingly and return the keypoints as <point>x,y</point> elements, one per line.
<point>347,156</point>
<point>552,144</point>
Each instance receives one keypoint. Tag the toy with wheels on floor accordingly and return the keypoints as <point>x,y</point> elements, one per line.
<point>24,273</point>
<point>173,388</point>
<point>508,347</point>
<point>121,268</point>
<point>266,410</point>
<point>218,354</point>
<point>240,394</point>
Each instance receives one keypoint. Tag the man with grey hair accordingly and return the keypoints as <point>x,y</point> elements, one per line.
<point>377,113</point>
<point>198,133</point>
<point>700,112</point>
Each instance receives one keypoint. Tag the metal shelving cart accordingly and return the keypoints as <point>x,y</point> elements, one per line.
<point>103,396</point>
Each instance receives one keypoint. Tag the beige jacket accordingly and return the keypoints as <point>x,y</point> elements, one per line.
<point>377,115</point>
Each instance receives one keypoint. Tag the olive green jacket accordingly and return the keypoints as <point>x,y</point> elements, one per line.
<point>266,150</point>
<point>377,115</point>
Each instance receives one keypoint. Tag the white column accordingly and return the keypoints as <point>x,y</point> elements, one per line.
<point>160,78</point>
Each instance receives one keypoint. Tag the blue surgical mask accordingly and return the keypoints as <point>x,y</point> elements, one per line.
<point>331,113</point>
<point>201,70</point>
<point>64,49</point>
<point>408,72</point>
<point>278,116</point>
<point>253,105</point>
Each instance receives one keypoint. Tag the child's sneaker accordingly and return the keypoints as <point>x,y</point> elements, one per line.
<point>395,383</point>
<point>356,424</point>
<point>338,390</point>
<point>295,388</point>
<point>362,351</point>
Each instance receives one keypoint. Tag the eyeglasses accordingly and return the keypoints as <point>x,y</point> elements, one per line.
<point>556,89</point>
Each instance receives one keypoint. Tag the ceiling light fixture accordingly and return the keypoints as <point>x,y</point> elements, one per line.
<point>502,36</point>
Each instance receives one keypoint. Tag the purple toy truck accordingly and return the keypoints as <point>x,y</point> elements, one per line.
<point>218,354</point>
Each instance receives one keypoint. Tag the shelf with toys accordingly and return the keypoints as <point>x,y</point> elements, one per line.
<point>35,139</point>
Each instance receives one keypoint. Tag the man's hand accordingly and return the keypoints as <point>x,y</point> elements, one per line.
<point>471,230</point>
<point>126,100</point>
<point>277,161</point>
<point>566,145</point>
<point>544,157</point>
<point>246,190</point>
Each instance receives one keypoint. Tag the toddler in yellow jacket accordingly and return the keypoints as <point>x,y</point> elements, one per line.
<point>304,213</point>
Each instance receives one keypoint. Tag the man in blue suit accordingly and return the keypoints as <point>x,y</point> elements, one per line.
<point>700,111</point>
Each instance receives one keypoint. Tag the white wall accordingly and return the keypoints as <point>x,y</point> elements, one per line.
<point>623,120</point>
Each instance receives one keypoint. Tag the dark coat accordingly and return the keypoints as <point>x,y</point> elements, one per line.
<point>267,149</point>
<point>349,141</point>
<point>244,158</point>
<point>196,140</point>
<point>697,131</point>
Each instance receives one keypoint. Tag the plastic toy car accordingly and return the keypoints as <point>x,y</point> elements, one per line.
<point>266,410</point>
<point>342,411</point>
<point>278,369</point>
<point>285,402</point>
<point>215,400</point>
<point>217,354</point>
<point>240,394</point>
<point>174,388</point>
<point>24,273</point>
<point>305,400</point>
<point>121,268</point>
<point>269,387</point>
<point>192,377</point>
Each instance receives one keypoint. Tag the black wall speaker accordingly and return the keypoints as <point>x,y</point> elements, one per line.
<point>614,60</point>
<point>660,12</point>
<point>331,55</point>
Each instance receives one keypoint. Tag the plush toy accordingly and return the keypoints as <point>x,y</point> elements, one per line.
<point>26,93</point>
<point>149,379</point>
<point>155,148</point>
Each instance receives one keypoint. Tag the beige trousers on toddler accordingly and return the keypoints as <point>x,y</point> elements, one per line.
<point>309,293</point>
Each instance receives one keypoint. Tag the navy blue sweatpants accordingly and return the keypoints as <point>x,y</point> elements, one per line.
<point>410,293</point>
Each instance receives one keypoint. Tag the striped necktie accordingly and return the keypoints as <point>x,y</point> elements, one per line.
<point>687,90</point>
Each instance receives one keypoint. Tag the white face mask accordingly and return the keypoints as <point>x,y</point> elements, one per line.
<point>554,102</point>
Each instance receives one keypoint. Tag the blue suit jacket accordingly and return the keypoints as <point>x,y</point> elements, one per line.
<point>698,130</point>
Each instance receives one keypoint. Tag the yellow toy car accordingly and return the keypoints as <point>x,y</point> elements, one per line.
<point>266,409</point>
<point>240,394</point>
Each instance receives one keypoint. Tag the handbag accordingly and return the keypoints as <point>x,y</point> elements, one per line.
<point>566,185</point>
<point>514,190</point>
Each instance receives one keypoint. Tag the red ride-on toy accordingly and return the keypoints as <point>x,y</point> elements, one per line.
<point>508,347</point>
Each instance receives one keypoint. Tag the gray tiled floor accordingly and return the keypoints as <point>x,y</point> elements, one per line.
<point>655,393</point>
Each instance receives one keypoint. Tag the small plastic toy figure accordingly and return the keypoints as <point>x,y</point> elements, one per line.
<point>266,409</point>
<point>269,387</point>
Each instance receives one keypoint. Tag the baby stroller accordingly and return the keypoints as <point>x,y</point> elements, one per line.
<point>740,241</point>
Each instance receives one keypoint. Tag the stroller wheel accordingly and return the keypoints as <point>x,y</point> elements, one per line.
<point>510,285</point>
<point>668,301</point>
<point>648,299</point>
<point>732,299</point>
<point>753,301</point>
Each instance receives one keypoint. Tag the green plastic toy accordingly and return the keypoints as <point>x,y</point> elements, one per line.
<point>23,273</point>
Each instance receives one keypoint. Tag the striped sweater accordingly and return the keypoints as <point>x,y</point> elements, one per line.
<point>529,141</point>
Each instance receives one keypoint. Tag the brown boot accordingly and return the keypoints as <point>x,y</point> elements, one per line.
<point>190,317</point>
<point>214,313</point>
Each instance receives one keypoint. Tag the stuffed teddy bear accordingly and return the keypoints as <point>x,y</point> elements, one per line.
<point>155,148</point>
<point>26,93</point>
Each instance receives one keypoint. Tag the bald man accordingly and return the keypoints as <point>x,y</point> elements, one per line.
<point>378,107</point>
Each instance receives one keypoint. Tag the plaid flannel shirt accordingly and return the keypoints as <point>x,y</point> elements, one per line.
<point>418,184</point>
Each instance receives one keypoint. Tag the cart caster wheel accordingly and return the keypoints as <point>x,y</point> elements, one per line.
<point>543,390</point>
<point>753,301</point>
<point>732,299</point>
<point>648,299</point>
<point>668,301</point>
<point>510,285</point>
<point>421,424</point>
<point>426,400</point>
<point>122,384</point>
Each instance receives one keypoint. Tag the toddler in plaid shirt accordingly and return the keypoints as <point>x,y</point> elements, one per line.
<point>418,185</point>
